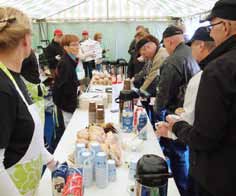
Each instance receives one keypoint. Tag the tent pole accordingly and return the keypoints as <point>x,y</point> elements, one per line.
<point>107,9</point>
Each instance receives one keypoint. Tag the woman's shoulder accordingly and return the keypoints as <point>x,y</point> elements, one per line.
<point>6,85</point>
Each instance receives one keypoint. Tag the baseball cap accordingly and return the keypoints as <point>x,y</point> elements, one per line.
<point>85,32</point>
<point>58,32</point>
<point>171,31</point>
<point>201,34</point>
<point>224,9</point>
<point>141,43</point>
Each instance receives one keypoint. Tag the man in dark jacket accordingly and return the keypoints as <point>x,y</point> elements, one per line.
<point>134,65</point>
<point>212,138</point>
<point>54,51</point>
<point>175,73</point>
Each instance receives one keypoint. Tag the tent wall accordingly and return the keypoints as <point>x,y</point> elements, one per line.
<point>116,35</point>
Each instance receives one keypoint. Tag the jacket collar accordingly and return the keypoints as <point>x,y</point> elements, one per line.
<point>218,51</point>
<point>68,58</point>
<point>56,43</point>
<point>179,46</point>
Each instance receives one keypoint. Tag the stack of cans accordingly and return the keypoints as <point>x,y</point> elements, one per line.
<point>127,120</point>
<point>78,150</point>
<point>95,165</point>
<point>132,168</point>
<point>111,170</point>
<point>87,159</point>
<point>101,170</point>
<point>95,146</point>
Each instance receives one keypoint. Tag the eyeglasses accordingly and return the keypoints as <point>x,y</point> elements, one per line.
<point>74,45</point>
<point>209,27</point>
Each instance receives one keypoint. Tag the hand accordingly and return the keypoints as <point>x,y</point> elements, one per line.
<point>152,101</point>
<point>140,59</point>
<point>58,57</point>
<point>172,119</point>
<point>144,93</point>
<point>162,129</point>
<point>179,111</point>
<point>52,165</point>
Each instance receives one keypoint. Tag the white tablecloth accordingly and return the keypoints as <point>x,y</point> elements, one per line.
<point>118,188</point>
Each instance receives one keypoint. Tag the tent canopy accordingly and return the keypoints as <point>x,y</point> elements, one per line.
<point>77,10</point>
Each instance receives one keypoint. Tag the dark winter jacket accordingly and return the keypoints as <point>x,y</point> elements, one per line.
<point>134,66</point>
<point>30,69</point>
<point>66,83</point>
<point>175,72</point>
<point>212,138</point>
<point>52,51</point>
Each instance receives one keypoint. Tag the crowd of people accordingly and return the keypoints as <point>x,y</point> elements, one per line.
<point>187,87</point>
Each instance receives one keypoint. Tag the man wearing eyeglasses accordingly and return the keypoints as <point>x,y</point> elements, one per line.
<point>212,138</point>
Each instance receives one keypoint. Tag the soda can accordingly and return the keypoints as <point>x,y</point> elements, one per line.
<point>111,170</point>
<point>142,128</point>
<point>74,183</point>
<point>132,168</point>
<point>87,160</point>
<point>127,121</point>
<point>59,176</point>
<point>101,170</point>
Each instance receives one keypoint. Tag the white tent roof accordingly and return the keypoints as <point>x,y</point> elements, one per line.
<point>110,9</point>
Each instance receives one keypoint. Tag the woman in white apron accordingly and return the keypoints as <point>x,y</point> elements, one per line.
<point>22,151</point>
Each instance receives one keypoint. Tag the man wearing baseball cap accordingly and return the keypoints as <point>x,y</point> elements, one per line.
<point>85,35</point>
<point>54,51</point>
<point>175,73</point>
<point>212,138</point>
<point>202,45</point>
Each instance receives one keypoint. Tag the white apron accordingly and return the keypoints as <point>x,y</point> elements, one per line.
<point>26,173</point>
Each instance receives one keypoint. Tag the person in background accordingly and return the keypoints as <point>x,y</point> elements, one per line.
<point>54,51</point>
<point>85,36</point>
<point>99,51</point>
<point>212,137</point>
<point>175,73</point>
<point>137,63</point>
<point>132,51</point>
<point>88,49</point>
<point>202,45</point>
<point>36,89</point>
<point>22,151</point>
<point>65,89</point>
<point>181,25</point>
<point>30,68</point>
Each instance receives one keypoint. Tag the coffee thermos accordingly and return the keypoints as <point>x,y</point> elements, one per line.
<point>126,100</point>
<point>151,176</point>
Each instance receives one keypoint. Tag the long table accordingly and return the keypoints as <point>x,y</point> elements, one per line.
<point>121,185</point>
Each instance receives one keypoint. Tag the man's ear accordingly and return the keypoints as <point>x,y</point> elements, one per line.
<point>202,46</point>
<point>227,28</point>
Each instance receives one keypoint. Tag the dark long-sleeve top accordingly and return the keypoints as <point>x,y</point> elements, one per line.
<point>212,138</point>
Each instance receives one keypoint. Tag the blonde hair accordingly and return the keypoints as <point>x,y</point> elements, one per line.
<point>97,36</point>
<point>14,25</point>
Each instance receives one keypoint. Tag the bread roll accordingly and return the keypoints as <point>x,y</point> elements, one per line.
<point>83,134</point>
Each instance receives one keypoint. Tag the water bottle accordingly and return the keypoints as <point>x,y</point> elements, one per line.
<point>142,126</point>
